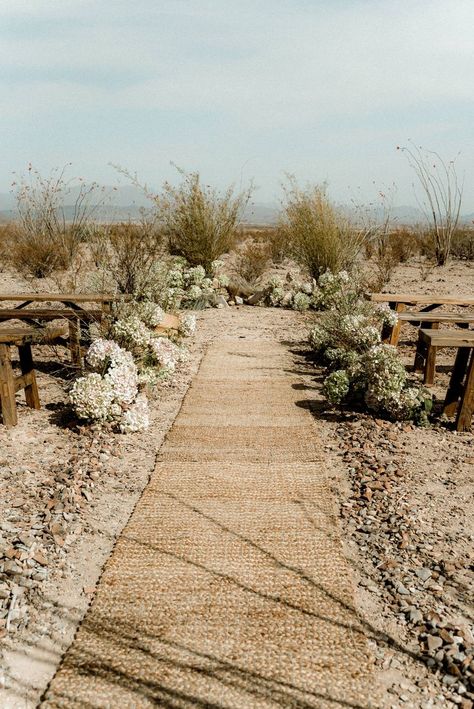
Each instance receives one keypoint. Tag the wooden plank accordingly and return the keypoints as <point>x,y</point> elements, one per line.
<point>420,316</point>
<point>33,335</point>
<point>414,298</point>
<point>63,297</point>
<point>447,338</point>
<point>465,410</point>
<point>27,369</point>
<point>7,388</point>
<point>49,314</point>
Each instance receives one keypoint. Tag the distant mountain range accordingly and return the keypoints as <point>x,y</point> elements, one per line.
<point>124,203</point>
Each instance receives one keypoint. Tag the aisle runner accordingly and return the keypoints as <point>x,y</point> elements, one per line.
<point>227,587</point>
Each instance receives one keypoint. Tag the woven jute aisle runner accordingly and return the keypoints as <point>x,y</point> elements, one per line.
<point>228,587</point>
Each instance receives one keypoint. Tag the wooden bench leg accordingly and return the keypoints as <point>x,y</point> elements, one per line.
<point>455,388</point>
<point>430,365</point>
<point>466,407</point>
<point>391,333</point>
<point>7,388</point>
<point>75,341</point>
<point>27,368</point>
<point>420,354</point>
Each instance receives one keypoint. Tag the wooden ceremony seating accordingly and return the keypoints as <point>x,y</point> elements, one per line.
<point>22,338</point>
<point>400,301</point>
<point>460,395</point>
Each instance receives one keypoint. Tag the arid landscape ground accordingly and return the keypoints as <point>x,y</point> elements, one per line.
<point>405,508</point>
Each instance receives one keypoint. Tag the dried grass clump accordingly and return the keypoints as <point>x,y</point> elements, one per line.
<point>319,236</point>
<point>53,221</point>
<point>462,245</point>
<point>251,261</point>
<point>128,254</point>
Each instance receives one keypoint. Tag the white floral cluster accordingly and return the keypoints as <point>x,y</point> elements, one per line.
<point>187,324</point>
<point>165,353</point>
<point>319,294</point>
<point>188,286</point>
<point>150,313</point>
<point>110,394</point>
<point>131,332</point>
<point>362,369</point>
<point>137,416</point>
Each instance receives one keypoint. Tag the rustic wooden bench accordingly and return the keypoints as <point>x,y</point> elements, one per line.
<point>400,301</point>
<point>22,338</point>
<point>433,340</point>
<point>431,321</point>
<point>33,316</point>
<point>72,301</point>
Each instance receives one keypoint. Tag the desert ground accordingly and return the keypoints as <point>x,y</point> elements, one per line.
<point>405,510</point>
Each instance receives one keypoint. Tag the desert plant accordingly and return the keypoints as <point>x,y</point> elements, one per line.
<point>442,196</point>
<point>129,254</point>
<point>199,223</point>
<point>320,236</point>
<point>53,217</point>
<point>251,260</point>
<point>462,245</point>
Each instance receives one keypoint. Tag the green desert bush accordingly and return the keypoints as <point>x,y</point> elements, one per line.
<point>321,238</point>
<point>251,260</point>
<point>200,224</point>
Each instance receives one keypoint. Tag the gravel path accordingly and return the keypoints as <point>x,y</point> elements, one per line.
<point>228,587</point>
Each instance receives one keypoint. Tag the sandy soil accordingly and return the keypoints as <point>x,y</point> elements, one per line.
<point>67,493</point>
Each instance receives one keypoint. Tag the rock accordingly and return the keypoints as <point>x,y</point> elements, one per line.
<point>433,642</point>
<point>239,300</point>
<point>415,615</point>
<point>423,573</point>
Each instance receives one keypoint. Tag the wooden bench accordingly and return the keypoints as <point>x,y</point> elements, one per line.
<point>33,316</point>
<point>22,338</point>
<point>433,340</point>
<point>430,321</point>
<point>400,301</point>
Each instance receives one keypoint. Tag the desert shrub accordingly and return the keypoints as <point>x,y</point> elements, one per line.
<point>251,260</point>
<point>53,219</point>
<point>128,254</point>
<point>319,236</point>
<point>462,245</point>
<point>199,223</point>
<point>404,244</point>
<point>441,197</point>
<point>361,369</point>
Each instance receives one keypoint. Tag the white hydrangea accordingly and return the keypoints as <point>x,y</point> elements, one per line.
<point>150,313</point>
<point>194,293</point>
<point>217,266</point>
<point>276,295</point>
<point>103,353</point>
<point>92,397</point>
<point>301,301</point>
<point>124,383</point>
<point>137,416</point>
<point>386,314</point>
<point>336,386</point>
<point>165,352</point>
<point>132,331</point>
<point>150,376</point>
<point>187,324</point>
<point>195,275</point>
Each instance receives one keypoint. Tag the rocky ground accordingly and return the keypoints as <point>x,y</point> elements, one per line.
<point>406,511</point>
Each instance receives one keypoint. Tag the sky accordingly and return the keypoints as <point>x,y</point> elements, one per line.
<point>322,89</point>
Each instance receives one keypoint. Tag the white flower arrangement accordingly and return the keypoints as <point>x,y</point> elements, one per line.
<point>150,313</point>
<point>93,397</point>
<point>301,301</point>
<point>165,353</point>
<point>347,340</point>
<point>132,332</point>
<point>187,324</point>
<point>137,416</point>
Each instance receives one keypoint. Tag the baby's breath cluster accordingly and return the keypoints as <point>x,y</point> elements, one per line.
<point>362,369</point>
<point>111,392</point>
<point>320,294</point>
<point>191,287</point>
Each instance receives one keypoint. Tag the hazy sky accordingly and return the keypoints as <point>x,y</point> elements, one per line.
<point>325,89</point>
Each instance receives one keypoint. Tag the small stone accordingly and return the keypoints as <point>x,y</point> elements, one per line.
<point>433,642</point>
<point>423,573</point>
